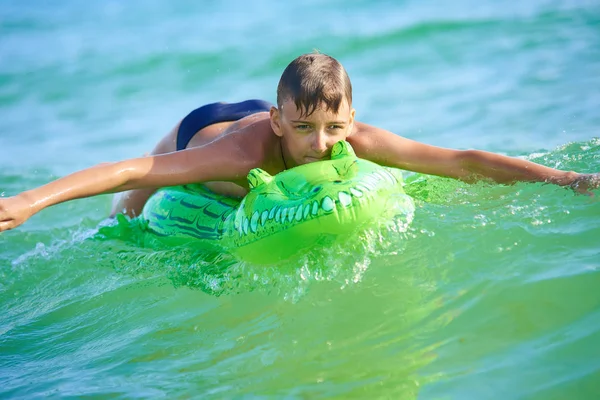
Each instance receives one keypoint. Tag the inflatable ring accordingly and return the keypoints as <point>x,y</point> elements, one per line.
<point>282,214</point>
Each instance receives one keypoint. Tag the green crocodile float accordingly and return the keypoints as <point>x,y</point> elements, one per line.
<point>283,214</point>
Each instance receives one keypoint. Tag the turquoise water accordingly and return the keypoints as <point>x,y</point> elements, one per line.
<point>491,293</point>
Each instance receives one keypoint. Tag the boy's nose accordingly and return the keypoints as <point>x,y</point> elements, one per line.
<point>319,142</point>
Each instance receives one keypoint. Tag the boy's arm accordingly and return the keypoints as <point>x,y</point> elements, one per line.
<point>392,150</point>
<point>223,160</point>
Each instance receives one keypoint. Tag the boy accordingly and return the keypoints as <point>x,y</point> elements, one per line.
<point>219,143</point>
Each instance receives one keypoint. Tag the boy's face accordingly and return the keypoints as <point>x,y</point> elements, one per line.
<point>310,138</point>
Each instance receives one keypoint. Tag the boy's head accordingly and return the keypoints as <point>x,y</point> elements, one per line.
<point>314,108</point>
<point>314,80</point>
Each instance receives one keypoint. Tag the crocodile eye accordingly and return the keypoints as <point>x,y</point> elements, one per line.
<point>337,181</point>
<point>316,189</point>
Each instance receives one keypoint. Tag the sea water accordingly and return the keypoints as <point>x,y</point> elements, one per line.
<point>492,292</point>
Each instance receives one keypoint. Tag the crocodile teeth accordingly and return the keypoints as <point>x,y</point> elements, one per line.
<point>315,208</point>
<point>368,184</point>
<point>345,199</point>
<point>327,204</point>
<point>356,192</point>
<point>306,211</point>
<point>370,180</point>
<point>299,214</point>
<point>263,217</point>
<point>254,222</point>
<point>239,227</point>
<point>363,188</point>
<point>389,177</point>
<point>376,177</point>
<point>246,222</point>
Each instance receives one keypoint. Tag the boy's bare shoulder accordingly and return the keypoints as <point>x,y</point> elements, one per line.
<point>257,131</point>
<point>259,123</point>
<point>259,141</point>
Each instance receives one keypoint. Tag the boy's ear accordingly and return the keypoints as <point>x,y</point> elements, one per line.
<point>275,118</point>
<point>351,123</point>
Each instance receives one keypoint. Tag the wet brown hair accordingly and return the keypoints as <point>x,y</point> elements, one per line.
<point>314,79</point>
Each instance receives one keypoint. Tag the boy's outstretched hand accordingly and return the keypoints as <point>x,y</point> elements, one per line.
<point>584,183</point>
<point>14,211</point>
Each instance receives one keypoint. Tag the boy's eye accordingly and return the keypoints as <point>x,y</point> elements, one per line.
<point>305,127</point>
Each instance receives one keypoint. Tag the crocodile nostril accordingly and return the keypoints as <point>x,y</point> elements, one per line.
<point>337,181</point>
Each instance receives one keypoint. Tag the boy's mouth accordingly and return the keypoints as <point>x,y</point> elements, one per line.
<point>315,158</point>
